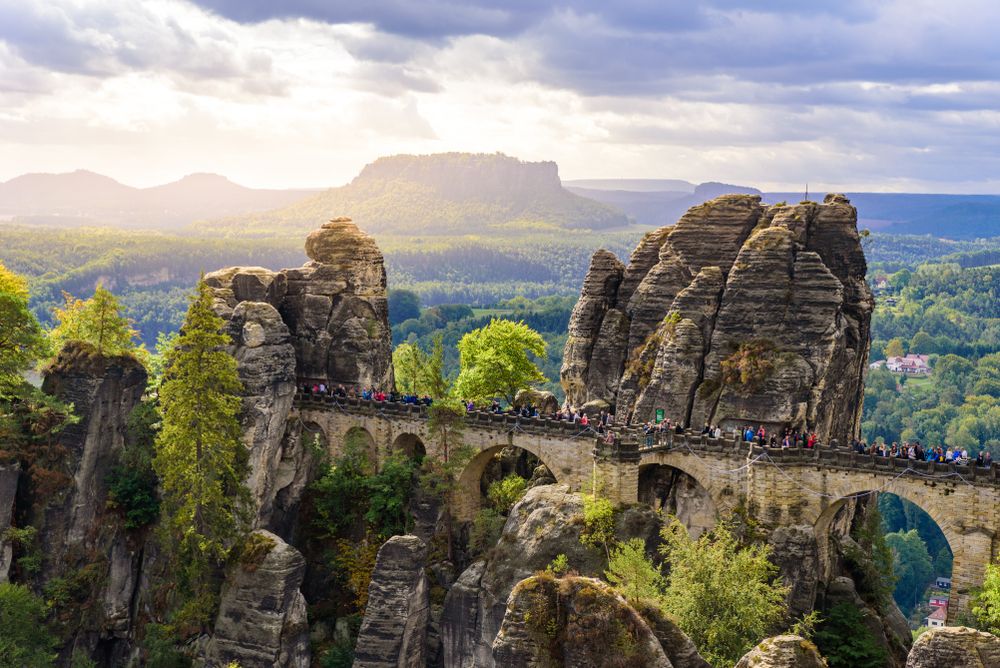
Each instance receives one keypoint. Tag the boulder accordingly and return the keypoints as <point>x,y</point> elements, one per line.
<point>795,552</point>
<point>543,400</point>
<point>262,614</point>
<point>394,631</point>
<point>678,647</point>
<point>955,647</point>
<point>787,651</point>
<point>786,283</point>
<point>573,621</point>
<point>545,523</point>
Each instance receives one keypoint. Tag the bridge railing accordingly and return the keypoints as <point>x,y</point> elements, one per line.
<point>632,441</point>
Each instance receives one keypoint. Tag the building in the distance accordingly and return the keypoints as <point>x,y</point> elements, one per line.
<point>937,618</point>
<point>910,364</point>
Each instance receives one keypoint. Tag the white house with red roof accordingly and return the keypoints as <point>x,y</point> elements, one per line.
<point>910,364</point>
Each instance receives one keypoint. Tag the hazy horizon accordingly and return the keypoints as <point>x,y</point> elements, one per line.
<point>845,96</point>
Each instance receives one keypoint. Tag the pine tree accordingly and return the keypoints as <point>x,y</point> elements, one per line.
<point>97,321</point>
<point>21,338</point>
<point>200,458</point>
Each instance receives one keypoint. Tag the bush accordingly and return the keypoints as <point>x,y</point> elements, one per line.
<point>503,494</point>
<point>25,640</point>
<point>598,523</point>
<point>632,573</point>
<point>486,529</point>
<point>160,649</point>
<point>846,642</point>
<point>133,492</point>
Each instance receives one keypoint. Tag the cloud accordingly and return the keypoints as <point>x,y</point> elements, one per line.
<point>115,37</point>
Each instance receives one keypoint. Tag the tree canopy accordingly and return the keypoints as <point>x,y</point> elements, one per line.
<point>726,597</point>
<point>22,341</point>
<point>495,361</point>
<point>97,321</point>
<point>200,458</point>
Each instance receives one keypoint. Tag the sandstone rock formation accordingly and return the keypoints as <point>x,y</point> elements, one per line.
<point>262,615</point>
<point>324,322</point>
<point>9,475</point>
<point>394,631</point>
<point>546,522</point>
<point>74,531</point>
<point>787,651</point>
<point>573,621</point>
<point>735,283</point>
<point>955,647</point>
<point>334,307</point>
<point>544,401</point>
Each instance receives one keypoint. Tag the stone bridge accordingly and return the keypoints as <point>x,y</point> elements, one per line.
<point>792,487</point>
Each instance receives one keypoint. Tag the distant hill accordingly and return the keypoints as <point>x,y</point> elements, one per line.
<point>961,217</point>
<point>646,205</point>
<point>445,193</point>
<point>85,198</point>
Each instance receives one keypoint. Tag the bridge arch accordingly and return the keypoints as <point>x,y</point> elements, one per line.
<point>468,491</point>
<point>720,485</point>
<point>410,444</point>
<point>674,491</point>
<point>933,499</point>
<point>362,437</point>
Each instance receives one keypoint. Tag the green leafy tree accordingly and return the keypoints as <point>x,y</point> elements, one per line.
<point>97,321</point>
<point>25,640</point>
<point>912,567</point>
<point>845,640</point>
<point>986,601</point>
<point>200,459</point>
<point>894,348</point>
<point>598,523</point>
<point>495,361</point>
<point>726,597</point>
<point>403,305</point>
<point>632,573</point>
<point>22,341</point>
<point>503,494</point>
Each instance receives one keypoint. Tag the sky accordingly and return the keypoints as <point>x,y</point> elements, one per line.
<point>862,95</point>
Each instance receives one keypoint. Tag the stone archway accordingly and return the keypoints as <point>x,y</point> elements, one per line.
<point>411,445</point>
<point>835,517</point>
<point>362,438</point>
<point>678,493</point>
<point>468,493</point>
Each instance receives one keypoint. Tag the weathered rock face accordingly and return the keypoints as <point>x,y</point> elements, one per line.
<point>955,647</point>
<point>334,307</point>
<point>9,474</point>
<point>394,631</point>
<point>590,618</point>
<point>546,522</point>
<point>74,529</point>
<point>796,553</point>
<point>788,651</point>
<point>889,628</point>
<point>326,321</point>
<point>262,615</point>
<point>674,492</point>
<point>782,286</point>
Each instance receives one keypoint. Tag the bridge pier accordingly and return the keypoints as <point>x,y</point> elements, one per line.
<point>972,552</point>
<point>616,471</point>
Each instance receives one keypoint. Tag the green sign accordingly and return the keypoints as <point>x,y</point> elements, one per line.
<point>659,415</point>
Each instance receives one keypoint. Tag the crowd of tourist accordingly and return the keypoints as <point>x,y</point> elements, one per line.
<point>367,393</point>
<point>654,433</point>
<point>916,452</point>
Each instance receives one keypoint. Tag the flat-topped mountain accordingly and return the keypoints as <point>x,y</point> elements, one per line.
<point>445,193</point>
<point>84,197</point>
